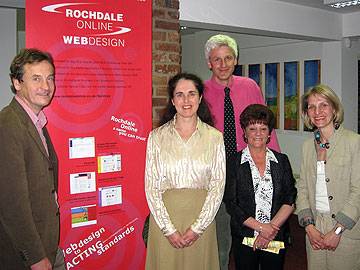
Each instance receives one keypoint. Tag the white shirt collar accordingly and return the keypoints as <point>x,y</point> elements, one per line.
<point>246,156</point>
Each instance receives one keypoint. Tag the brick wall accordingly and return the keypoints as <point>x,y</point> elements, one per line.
<point>166,51</point>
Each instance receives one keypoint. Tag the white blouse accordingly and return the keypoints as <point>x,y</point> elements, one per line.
<point>263,186</point>
<point>173,163</point>
<point>321,194</point>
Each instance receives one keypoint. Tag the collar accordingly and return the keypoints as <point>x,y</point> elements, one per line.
<point>199,125</point>
<point>39,119</point>
<point>220,86</point>
<point>246,156</point>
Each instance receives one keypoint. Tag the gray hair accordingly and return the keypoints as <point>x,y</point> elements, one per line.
<point>218,41</point>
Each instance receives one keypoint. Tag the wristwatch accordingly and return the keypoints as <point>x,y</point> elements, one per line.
<point>339,230</point>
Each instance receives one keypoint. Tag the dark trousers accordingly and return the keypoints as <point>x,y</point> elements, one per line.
<point>223,233</point>
<point>247,259</point>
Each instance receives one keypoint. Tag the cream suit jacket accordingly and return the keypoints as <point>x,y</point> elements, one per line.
<point>342,171</point>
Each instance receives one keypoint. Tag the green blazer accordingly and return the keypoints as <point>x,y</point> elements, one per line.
<point>342,170</point>
<point>29,217</point>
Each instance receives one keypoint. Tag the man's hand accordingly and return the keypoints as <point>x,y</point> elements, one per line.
<point>44,264</point>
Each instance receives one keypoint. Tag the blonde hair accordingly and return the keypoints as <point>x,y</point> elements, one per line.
<point>329,94</point>
<point>218,41</point>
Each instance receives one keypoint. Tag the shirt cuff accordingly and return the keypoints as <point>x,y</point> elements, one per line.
<point>304,215</point>
<point>344,220</point>
<point>196,230</point>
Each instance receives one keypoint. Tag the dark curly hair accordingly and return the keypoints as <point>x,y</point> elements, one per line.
<point>257,113</point>
<point>203,110</point>
<point>27,56</point>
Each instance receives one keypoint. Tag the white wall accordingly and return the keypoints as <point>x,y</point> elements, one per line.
<point>351,24</point>
<point>7,52</point>
<point>280,18</point>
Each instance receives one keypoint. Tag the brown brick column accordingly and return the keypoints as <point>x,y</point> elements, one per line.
<point>166,51</point>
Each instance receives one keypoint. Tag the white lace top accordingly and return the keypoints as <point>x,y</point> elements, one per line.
<point>263,186</point>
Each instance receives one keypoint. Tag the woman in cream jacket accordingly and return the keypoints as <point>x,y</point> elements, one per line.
<point>328,200</point>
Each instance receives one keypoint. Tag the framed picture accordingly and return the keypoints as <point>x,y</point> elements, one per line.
<point>291,95</point>
<point>272,89</point>
<point>238,71</point>
<point>312,76</point>
<point>312,73</point>
<point>255,73</point>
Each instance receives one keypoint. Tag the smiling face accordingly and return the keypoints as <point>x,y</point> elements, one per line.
<point>186,99</point>
<point>37,86</point>
<point>257,135</point>
<point>222,63</point>
<point>320,112</point>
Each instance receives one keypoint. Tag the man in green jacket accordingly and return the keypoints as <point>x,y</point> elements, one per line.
<point>29,214</point>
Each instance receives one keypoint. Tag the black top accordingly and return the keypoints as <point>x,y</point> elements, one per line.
<point>239,194</point>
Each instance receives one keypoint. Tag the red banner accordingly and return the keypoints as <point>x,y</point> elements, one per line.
<point>98,120</point>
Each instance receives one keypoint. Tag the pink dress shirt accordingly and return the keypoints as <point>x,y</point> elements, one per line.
<point>38,120</point>
<point>244,91</point>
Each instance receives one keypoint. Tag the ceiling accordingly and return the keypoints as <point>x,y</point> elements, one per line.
<point>320,4</point>
<point>308,3</point>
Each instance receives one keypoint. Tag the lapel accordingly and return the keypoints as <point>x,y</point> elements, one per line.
<point>275,170</point>
<point>29,126</point>
<point>333,141</point>
<point>246,178</point>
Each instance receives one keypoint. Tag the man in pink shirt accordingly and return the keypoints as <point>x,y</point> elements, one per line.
<point>221,54</point>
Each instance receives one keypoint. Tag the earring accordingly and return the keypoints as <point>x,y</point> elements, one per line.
<point>336,125</point>
<point>245,139</point>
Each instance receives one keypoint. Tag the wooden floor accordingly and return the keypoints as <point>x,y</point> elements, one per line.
<point>296,255</point>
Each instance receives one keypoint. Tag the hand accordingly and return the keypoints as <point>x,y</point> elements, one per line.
<point>331,240</point>
<point>261,243</point>
<point>190,237</point>
<point>315,237</point>
<point>269,230</point>
<point>44,264</point>
<point>176,240</point>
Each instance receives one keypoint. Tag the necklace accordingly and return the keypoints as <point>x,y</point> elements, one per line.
<point>318,141</point>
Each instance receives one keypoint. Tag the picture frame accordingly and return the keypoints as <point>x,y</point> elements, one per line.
<point>255,73</point>
<point>272,89</point>
<point>291,95</point>
<point>312,76</point>
<point>312,73</point>
<point>239,70</point>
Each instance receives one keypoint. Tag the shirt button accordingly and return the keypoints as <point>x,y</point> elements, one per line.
<point>327,180</point>
<point>330,198</point>
<point>333,215</point>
